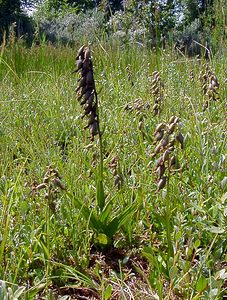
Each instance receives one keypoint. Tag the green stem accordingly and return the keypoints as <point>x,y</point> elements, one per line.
<point>100,188</point>
<point>48,238</point>
<point>168,225</point>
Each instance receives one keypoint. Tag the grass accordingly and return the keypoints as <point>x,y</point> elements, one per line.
<point>172,244</point>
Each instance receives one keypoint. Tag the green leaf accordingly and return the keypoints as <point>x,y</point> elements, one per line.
<point>102,240</point>
<point>32,292</point>
<point>148,253</point>
<point>19,292</point>
<point>87,213</point>
<point>120,220</point>
<point>201,284</point>
<point>197,244</point>
<point>106,213</point>
<point>108,292</point>
<point>173,272</point>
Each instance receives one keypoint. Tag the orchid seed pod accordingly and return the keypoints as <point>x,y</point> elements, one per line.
<point>172,119</point>
<point>161,170</point>
<point>159,127</point>
<point>171,148</point>
<point>155,106</point>
<point>172,161</point>
<point>155,73</point>
<point>180,139</point>
<point>56,181</point>
<point>41,186</point>
<point>159,135</point>
<point>158,148</point>
<point>158,163</point>
<point>165,155</point>
<point>81,51</point>
<point>164,142</point>
<point>171,128</point>
<point>171,143</point>
<point>177,119</point>
<point>162,183</point>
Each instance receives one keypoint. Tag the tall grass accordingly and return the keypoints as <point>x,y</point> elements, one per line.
<point>42,249</point>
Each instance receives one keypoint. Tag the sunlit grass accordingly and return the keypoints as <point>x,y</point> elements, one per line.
<point>42,248</point>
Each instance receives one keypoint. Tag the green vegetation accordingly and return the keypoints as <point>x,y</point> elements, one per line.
<point>59,234</point>
<point>113,177</point>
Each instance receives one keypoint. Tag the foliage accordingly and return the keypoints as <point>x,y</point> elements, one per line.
<point>72,28</point>
<point>144,21</point>
<point>173,244</point>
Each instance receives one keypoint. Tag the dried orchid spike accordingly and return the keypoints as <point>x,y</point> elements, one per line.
<point>157,91</point>
<point>86,92</point>
<point>210,85</point>
<point>166,136</point>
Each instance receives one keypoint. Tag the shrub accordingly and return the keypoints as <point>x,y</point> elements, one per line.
<point>71,27</point>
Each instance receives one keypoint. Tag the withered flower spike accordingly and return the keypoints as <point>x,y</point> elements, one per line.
<point>86,93</point>
<point>162,183</point>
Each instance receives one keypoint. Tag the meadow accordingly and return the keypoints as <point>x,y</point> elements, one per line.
<point>80,221</point>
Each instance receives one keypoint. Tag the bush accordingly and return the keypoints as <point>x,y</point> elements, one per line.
<point>71,28</point>
<point>189,40</point>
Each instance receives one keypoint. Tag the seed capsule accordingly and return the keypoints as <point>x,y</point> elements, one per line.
<point>162,183</point>
<point>171,120</point>
<point>79,64</point>
<point>82,82</point>
<point>87,53</point>
<point>155,106</point>
<point>91,119</point>
<point>171,128</point>
<point>158,148</point>
<point>155,73</point>
<point>172,161</point>
<point>159,127</point>
<point>160,171</point>
<point>81,51</point>
<point>158,163</point>
<point>177,119</point>
<point>91,98</point>
<point>171,148</point>
<point>87,109</point>
<point>86,66</point>
<point>40,186</point>
<point>94,129</point>
<point>171,143</point>
<point>165,155</point>
<point>57,182</point>
<point>164,142</point>
<point>89,78</point>
<point>180,139</point>
<point>159,135</point>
